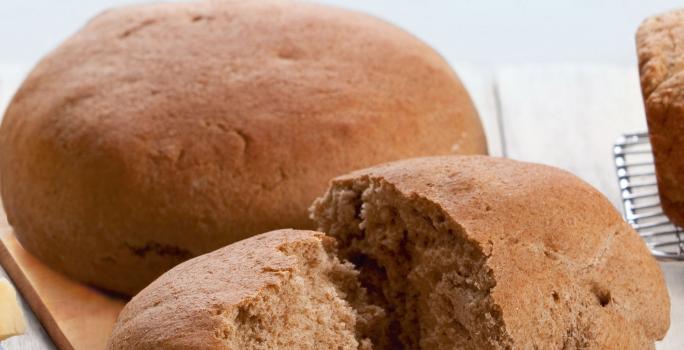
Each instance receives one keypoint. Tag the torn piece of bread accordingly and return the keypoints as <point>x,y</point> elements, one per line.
<point>489,253</point>
<point>11,318</point>
<point>429,253</point>
<point>279,290</point>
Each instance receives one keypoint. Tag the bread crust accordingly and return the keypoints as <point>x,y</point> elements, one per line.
<point>189,306</point>
<point>161,132</point>
<point>660,48</point>
<point>569,272</point>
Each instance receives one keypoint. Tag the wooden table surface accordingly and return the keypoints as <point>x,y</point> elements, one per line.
<point>566,115</point>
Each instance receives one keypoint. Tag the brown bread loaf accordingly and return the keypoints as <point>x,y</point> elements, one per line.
<point>160,132</point>
<point>660,46</point>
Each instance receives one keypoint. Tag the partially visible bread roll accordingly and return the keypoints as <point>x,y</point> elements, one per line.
<point>431,253</point>
<point>161,132</point>
<point>660,45</point>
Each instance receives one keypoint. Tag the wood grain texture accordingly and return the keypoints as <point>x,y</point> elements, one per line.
<point>75,316</point>
<point>569,116</point>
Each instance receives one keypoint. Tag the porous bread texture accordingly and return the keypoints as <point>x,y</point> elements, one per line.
<point>660,48</point>
<point>308,311</point>
<point>417,266</point>
<point>489,253</point>
<point>161,132</point>
<point>279,290</point>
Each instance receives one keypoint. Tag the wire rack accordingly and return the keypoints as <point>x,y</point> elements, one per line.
<point>639,191</point>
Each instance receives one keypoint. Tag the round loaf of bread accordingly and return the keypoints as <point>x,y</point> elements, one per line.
<point>161,132</point>
<point>429,253</point>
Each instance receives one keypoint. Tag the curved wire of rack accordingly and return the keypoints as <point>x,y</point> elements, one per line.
<point>639,191</point>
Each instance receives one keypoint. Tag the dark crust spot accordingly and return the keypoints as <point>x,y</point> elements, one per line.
<point>137,27</point>
<point>160,250</point>
<point>602,294</point>
<point>197,18</point>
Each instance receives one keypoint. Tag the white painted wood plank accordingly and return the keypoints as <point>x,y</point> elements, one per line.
<point>479,80</point>
<point>568,116</point>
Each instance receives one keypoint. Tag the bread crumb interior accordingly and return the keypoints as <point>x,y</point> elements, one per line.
<point>431,282</point>
<point>319,305</point>
<point>397,275</point>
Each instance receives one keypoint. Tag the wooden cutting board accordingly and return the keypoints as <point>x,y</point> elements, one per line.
<point>76,316</point>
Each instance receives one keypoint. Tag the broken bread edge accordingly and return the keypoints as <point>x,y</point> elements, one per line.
<point>280,289</point>
<point>567,270</point>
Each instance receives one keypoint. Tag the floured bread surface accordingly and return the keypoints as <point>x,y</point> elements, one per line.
<point>279,290</point>
<point>488,253</point>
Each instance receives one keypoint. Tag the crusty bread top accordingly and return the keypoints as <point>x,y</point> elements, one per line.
<point>160,132</point>
<point>557,248</point>
<point>660,48</point>
<point>187,305</point>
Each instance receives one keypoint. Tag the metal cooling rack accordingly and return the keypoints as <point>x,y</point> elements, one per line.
<point>639,191</point>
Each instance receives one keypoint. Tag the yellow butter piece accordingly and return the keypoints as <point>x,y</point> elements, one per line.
<point>11,318</point>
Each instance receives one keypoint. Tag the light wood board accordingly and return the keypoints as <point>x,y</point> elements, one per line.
<point>75,316</point>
